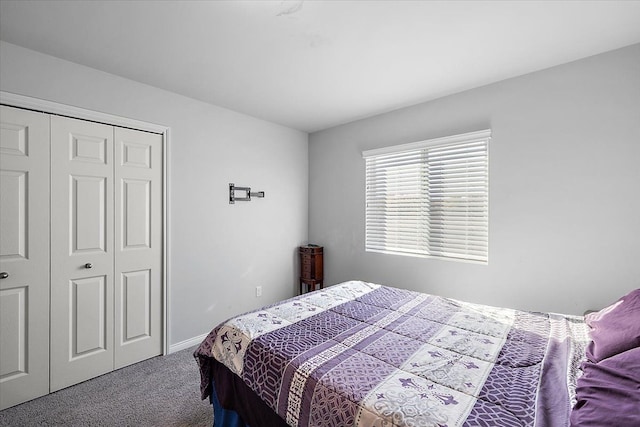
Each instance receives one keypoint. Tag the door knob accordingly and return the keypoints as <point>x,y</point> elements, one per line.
<point>88,265</point>
<point>4,275</point>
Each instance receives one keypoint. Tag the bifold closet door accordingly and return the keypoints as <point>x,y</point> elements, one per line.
<point>138,241</point>
<point>82,251</point>
<point>24,255</point>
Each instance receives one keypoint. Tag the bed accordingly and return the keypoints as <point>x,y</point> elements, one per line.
<point>362,354</point>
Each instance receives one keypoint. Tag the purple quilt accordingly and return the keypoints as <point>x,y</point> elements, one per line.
<point>360,354</point>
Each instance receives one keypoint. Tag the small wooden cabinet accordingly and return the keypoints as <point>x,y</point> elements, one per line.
<point>311,268</point>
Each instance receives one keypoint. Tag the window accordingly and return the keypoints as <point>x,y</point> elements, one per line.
<point>430,198</point>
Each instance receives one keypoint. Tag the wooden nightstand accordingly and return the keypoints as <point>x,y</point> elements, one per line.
<point>311,268</point>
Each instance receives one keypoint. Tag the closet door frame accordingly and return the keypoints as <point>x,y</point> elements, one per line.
<point>49,107</point>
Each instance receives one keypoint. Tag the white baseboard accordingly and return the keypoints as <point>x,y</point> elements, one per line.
<point>191,342</point>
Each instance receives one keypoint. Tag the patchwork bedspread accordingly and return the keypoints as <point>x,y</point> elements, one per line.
<point>360,354</point>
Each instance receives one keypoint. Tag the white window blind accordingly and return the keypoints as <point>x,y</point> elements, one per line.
<point>430,198</point>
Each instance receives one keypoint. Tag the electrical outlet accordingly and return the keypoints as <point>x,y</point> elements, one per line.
<point>258,291</point>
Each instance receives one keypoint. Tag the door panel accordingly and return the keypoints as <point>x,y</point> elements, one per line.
<point>138,300</point>
<point>82,289</point>
<point>136,214</point>
<point>88,149</point>
<point>88,316</point>
<point>13,214</point>
<point>88,216</point>
<point>136,305</point>
<point>24,255</point>
<point>14,351</point>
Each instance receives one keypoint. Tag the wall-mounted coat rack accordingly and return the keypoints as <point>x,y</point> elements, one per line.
<point>246,197</point>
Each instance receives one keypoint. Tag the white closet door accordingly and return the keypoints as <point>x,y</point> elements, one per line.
<point>24,255</point>
<point>82,251</point>
<point>138,245</point>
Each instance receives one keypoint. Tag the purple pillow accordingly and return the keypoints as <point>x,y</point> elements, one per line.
<point>614,329</point>
<point>608,392</point>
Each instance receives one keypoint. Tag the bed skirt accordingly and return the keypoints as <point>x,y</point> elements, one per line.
<point>235,404</point>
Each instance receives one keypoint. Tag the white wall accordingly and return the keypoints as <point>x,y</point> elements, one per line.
<point>218,252</point>
<point>564,188</point>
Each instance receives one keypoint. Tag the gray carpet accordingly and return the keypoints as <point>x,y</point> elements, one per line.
<point>163,391</point>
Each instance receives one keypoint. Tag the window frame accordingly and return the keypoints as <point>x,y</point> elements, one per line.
<point>419,238</point>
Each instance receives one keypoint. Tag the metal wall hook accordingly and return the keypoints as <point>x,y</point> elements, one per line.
<point>248,194</point>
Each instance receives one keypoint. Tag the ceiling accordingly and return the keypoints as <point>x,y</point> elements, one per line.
<point>311,65</point>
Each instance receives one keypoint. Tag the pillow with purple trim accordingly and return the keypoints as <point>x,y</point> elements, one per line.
<point>614,329</point>
<point>608,392</point>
